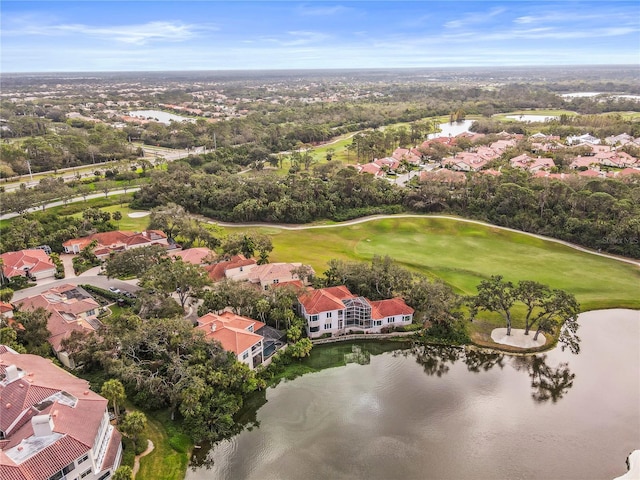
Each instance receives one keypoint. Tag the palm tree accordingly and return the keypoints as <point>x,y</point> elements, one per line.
<point>113,391</point>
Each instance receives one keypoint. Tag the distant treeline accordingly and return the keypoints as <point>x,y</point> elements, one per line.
<point>601,214</point>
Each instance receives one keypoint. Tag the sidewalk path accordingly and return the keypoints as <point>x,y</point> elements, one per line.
<point>136,462</point>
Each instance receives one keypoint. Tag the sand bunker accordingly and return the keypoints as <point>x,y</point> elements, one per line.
<point>138,214</point>
<point>517,338</point>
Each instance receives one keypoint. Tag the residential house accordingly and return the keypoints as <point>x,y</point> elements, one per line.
<point>6,311</point>
<point>525,162</point>
<point>585,139</point>
<point>116,241</point>
<point>583,161</point>
<point>465,162</point>
<point>408,155</point>
<point>34,263</point>
<point>71,308</point>
<point>236,268</point>
<point>621,139</point>
<point>195,256</point>
<point>270,274</point>
<point>335,310</point>
<point>236,334</point>
<point>52,425</point>
<point>372,168</point>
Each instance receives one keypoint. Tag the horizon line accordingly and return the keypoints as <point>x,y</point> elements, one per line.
<point>345,69</point>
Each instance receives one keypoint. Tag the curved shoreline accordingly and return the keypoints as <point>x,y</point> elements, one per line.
<point>370,218</point>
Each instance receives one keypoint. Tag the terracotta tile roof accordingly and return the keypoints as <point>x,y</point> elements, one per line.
<point>324,299</point>
<point>372,168</point>
<point>217,271</point>
<point>35,260</point>
<point>76,413</point>
<point>5,308</point>
<point>67,315</point>
<point>274,271</point>
<point>231,330</point>
<point>195,256</point>
<point>389,308</point>
<point>589,173</point>
<point>116,240</point>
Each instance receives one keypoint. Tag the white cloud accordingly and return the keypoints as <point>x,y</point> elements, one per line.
<point>321,11</point>
<point>474,18</point>
<point>139,34</point>
<point>298,38</point>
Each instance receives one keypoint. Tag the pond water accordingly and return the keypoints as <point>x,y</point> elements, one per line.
<point>532,118</point>
<point>440,413</point>
<point>452,129</point>
<point>159,116</point>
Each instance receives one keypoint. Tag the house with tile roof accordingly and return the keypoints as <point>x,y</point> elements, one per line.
<point>525,162</point>
<point>6,311</point>
<point>270,274</point>
<point>372,168</point>
<point>236,268</point>
<point>71,309</point>
<point>52,425</point>
<point>196,255</point>
<point>335,310</point>
<point>116,241</point>
<point>236,334</point>
<point>34,263</point>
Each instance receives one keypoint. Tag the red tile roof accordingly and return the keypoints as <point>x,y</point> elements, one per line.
<point>76,413</point>
<point>231,330</point>
<point>218,270</point>
<point>324,299</point>
<point>34,260</point>
<point>389,308</point>
<point>117,240</point>
<point>67,315</point>
<point>195,256</point>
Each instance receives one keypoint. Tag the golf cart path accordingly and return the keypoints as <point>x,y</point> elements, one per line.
<point>446,217</point>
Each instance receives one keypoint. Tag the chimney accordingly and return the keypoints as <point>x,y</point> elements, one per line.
<point>42,425</point>
<point>213,327</point>
<point>11,374</point>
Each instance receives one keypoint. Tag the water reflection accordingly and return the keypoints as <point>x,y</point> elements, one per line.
<point>548,382</point>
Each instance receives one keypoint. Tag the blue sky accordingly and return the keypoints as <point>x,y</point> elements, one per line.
<point>51,36</point>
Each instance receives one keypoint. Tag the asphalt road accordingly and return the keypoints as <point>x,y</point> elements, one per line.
<point>100,281</point>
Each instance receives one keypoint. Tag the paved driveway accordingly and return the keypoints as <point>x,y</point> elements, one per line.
<point>100,281</point>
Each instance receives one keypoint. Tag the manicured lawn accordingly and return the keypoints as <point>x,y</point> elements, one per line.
<point>170,457</point>
<point>463,254</point>
<point>548,112</point>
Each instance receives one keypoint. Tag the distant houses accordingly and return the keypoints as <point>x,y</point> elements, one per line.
<point>52,426</point>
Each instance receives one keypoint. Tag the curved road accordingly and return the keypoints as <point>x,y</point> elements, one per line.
<point>380,217</point>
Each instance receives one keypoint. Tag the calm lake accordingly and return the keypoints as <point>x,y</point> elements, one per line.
<point>159,116</point>
<point>442,414</point>
<point>452,129</point>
